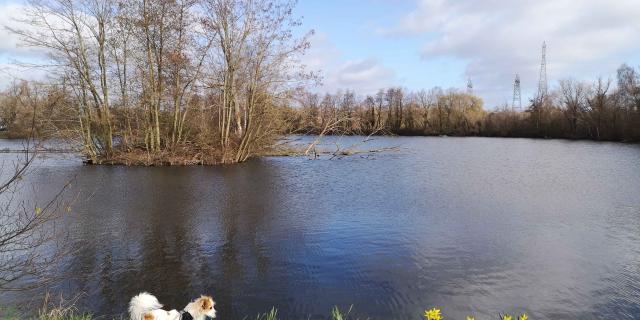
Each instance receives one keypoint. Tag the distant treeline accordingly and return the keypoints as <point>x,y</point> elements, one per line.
<point>599,110</point>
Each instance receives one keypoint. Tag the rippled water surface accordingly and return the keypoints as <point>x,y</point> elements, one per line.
<point>472,225</point>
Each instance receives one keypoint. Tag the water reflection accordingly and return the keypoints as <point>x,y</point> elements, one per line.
<point>182,230</point>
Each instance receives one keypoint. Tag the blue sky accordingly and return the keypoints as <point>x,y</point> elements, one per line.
<point>353,29</point>
<point>365,45</point>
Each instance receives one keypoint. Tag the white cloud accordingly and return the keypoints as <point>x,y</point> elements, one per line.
<point>321,53</point>
<point>9,41</point>
<point>499,38</point>
<point>11,15</point>
<point>17,62</point>
<point>364,75</point>
<point>10,73</point>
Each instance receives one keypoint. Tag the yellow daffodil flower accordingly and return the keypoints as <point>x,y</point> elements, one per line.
<point>433,314</point>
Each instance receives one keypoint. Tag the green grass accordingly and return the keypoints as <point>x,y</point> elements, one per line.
<point>271,315</point>
<point>65,313</point>
<point>71,313</point>
<point>8,313</point>
<point>64,310</point>
<point>12,314</point>
<point>336,314</point>
<point>72,317</point>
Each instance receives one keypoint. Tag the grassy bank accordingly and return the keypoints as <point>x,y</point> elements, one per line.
<point>71,313</point>
<point>66,309</point>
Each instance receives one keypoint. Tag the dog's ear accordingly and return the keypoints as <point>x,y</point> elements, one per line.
<point>206,303</point>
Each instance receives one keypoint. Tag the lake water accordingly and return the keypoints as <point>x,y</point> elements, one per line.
<point>470,225</point>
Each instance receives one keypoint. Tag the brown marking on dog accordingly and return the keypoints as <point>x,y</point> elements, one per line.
<point>149,316</point>
<point>206,303</point>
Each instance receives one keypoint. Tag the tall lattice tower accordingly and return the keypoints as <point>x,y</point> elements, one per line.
<point>542,82</point>
<point>469,87</point>
<point>517,100</point>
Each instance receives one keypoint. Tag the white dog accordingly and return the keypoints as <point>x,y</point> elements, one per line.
<point>146,307</point>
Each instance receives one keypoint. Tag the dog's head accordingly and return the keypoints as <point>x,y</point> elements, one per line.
<point>202,307</point>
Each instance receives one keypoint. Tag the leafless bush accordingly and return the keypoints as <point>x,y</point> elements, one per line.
<point>30,241</point>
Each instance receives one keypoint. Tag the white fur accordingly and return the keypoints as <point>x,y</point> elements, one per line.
<point>146,304</point>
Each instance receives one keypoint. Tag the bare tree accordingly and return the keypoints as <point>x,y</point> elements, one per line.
<point>370,105</point>
<point>256,60</point>
<point>75,35</point>
<point>574,99</point>
<point>598,105</point>
<point>628,84</point>
<point>30,243</point>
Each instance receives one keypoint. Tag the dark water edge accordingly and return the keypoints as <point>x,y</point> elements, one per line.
<point>414,134</point>
<point>471,225</point>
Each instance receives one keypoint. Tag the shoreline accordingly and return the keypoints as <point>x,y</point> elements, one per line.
<point>142,158</point>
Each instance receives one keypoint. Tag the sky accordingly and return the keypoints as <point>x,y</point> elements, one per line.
<point>365,45</point>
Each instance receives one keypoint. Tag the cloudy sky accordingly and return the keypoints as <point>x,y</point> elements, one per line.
<point>368,44</point>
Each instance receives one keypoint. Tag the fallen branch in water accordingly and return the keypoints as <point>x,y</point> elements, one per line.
<point>331,126</point>
<point>338,154</point>
<point>343,153</point>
